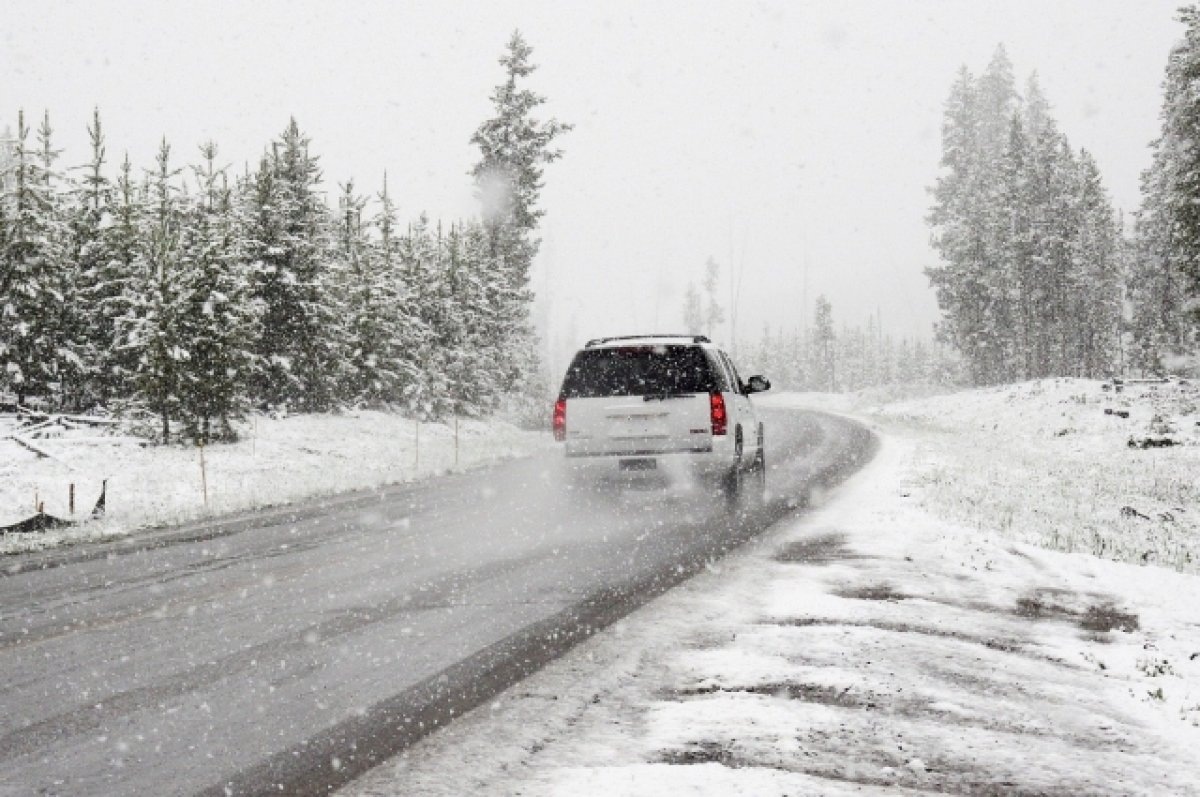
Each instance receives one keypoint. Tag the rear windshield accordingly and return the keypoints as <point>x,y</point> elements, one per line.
<point>639,371</point>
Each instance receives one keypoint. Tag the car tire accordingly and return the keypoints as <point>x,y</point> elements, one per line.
<point>758,478</point>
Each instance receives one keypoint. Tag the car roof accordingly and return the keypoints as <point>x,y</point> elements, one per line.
<point>649,340</point>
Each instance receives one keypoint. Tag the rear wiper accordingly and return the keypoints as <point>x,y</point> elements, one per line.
<point>665,396</point>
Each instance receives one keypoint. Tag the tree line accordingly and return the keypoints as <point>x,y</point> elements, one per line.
<point>1038,275</point>
<point>1030,279</point>
<point>1164,278</point>
<point>192,294</point>
<point>824,357</point>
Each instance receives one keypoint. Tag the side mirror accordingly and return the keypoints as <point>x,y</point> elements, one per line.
<point>758,384</point>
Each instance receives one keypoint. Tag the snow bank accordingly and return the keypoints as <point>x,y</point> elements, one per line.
<point>278,460</point>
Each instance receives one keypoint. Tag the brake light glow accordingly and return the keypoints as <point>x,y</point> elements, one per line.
<point>560,419</point>
<point>720,421</point>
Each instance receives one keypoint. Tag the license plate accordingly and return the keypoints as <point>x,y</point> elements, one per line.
<point>639,464</point>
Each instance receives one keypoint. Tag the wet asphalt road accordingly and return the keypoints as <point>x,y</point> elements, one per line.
<point>289,651</point>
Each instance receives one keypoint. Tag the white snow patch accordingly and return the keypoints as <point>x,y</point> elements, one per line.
<point>278,460</point>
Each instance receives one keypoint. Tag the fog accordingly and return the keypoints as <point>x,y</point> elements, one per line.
<point>792,142</point>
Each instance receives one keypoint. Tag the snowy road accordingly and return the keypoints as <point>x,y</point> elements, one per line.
<point>295,650</point>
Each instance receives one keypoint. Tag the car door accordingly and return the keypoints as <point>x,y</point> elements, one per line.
<point>744,410</point>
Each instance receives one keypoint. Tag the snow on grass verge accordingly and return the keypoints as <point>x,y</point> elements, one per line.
<point>1068,464</point>
<point>279,460</point>
<point>868,648</point>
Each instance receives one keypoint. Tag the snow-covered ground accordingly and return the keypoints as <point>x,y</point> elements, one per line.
<point>1063,463</point>
<point>905,638</point>
<point>278,460</point>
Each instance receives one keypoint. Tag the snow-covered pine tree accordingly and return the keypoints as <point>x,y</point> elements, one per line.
<point>1056,221</point>
<point>216,317</point>
<point>823,349</point>
<point>999,141</point>
<point>405,333</point>
<point>417,251</point>
<point>514,147</point>
<point>33,348</point>
<point>68,322</point>
<point>1156,286</point>
<point>378,331</point>
<point>101,278</point>
<point>156,296</point>
<point>1016,287</point>
<point>1164,288</point>
<point>122,282</point>
<point>1008,218</point>
<point>367,376</point>
<point>468,351</point>
<point>1097,260</point>
<point>958,230</point>
<point>290,248</point>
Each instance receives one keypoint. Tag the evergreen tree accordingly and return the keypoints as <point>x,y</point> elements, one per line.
<point>216,320</point>
<point>514,148</point>
<point>959,234</point>
<point>470,356</point>
<point>119,287</point>
<point>406,336</point>
<point>1025,235</point>
<point>824,353</point>
<point>66,313</point>
<point>35,355</point>
<point>151,328</point>
<point>288,243</point>
<point>380,321</point>
<point>100,278</point>
<point>1165,282</point>
<point>419,269</point>
<point>1097,260</point>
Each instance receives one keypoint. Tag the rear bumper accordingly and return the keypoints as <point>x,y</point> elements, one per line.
<point>640,465</point>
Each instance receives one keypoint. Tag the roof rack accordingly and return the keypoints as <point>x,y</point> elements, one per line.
<point>601,341</point>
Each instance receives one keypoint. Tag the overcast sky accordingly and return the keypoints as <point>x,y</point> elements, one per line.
<point>782,138</point>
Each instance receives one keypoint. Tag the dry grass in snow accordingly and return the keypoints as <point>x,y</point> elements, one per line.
<point>1068,464</point>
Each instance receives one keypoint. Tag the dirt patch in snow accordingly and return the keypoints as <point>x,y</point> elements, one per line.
<point>823,549</point>
<point>873,592</point>
<point>1099,614</point>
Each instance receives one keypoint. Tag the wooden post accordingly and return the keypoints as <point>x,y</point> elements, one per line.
<point>36,500</point>
<point>71,498</point>
<point>203,476</point>
<point>456,441</point>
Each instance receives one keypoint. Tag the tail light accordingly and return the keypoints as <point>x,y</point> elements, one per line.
<point>720,420</point>
<point>560,419</point>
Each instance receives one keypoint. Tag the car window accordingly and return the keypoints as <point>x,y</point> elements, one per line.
<point>723,377</point>
<point>639,370</point>
<point>737,379</point>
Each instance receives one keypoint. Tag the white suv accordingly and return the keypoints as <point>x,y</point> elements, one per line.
<point>665,405</point>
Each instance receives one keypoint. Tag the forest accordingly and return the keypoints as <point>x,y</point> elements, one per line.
<point>188,294</point>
